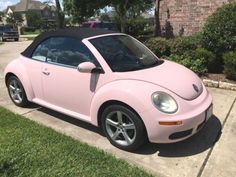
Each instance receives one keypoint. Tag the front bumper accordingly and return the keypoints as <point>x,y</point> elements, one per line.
<point>10,37</point>
<point>192,121</point>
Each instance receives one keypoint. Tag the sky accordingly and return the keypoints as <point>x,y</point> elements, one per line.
<point>5,3</point>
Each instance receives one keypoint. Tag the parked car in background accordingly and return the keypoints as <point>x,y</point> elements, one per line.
<point>104,25</point>
<point>113,81</point>
<point>8,32</point>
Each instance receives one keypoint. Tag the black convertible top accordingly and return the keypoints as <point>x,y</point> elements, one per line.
<point>75,32</point>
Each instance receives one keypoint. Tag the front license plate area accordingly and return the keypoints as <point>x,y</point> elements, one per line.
<point>209,112</point>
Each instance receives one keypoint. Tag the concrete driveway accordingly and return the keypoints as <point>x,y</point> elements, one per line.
<point>202,155</point>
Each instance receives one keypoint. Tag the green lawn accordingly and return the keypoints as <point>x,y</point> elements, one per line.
<point>30,149</point>
<point>29,33</point>
<point>30,38</point>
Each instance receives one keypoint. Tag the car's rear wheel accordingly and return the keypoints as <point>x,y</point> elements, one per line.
<point>123,127</point>
<point>16,91</point>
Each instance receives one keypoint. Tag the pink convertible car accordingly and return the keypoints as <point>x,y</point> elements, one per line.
<point>113,81</point>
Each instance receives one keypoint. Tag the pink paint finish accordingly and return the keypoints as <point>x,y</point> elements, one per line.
<point>81,94</point>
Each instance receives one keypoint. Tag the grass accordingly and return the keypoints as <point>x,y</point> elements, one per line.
<point>30,38</point>
<point>32,32</point>
<point>30,149</point>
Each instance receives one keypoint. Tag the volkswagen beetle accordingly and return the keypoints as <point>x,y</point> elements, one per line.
<point>113,81</point>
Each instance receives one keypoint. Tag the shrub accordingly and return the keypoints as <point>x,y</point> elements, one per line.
<point>136,26</point>
<point>208,57</point>
<point>219,32</point>
<point>230,65</point>
<point>159,46</point>
<point>180,45</point>
<point>196,65</point>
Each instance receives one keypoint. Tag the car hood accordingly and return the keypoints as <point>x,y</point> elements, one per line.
<point>171,76</point>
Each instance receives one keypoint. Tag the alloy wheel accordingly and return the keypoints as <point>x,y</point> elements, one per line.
<point>120,128</point>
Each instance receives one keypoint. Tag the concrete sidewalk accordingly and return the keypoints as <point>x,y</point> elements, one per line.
<point>195,157</point>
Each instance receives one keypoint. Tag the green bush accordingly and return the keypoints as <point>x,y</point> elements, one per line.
<point>180,45</point>
<point>219,32</point>
<point>196,65</point>
<point>159,46</point>
<point>28,29</point>
<point>208,57</point>
<point>230,65</point>
<point>136,26</point>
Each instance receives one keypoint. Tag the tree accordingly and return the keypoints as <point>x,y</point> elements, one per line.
<point>60,13</point>
<point>1,15</point>
<point>34,19</point>
<point>157,29</point>
<point>126,7</point>
<point>61,16</point>
<point>14,19</point>
<point>81,10</point>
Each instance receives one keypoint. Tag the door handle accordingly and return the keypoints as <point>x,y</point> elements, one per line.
<point>46,73</point>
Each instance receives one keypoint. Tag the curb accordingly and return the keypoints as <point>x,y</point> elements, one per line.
<point>219,84</point>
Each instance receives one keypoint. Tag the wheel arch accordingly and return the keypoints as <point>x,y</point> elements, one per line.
<point>116,102</point>
<point>15,68</point>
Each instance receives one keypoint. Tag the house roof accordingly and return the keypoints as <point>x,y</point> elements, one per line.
<point>25,5</point>
<point>74,32</point>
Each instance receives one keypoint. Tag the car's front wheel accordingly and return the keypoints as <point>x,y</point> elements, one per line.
<point>123,127</point>
<point>16,91</point>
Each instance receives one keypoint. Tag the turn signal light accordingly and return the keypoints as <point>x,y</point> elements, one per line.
<point>171,123</point>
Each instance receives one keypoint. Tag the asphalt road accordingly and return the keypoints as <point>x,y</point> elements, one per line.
<point>210,153</point>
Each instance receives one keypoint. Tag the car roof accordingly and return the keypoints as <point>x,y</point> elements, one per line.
<point>75,32</point>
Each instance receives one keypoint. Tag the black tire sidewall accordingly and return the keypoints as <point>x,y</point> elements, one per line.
<point>24,97</point>
<point>141,136</point>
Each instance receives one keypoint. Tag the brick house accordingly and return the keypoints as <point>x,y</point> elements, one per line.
<point>47,12</point>
<point>185,17</point>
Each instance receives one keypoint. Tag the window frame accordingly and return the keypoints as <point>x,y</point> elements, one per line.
<point>60,64</point>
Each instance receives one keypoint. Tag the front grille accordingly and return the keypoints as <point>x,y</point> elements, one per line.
<point>181,134</point>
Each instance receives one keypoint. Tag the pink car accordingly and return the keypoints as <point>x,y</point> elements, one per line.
<point>113,81</point>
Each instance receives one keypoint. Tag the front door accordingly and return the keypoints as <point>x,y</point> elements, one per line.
<point>64,87</point>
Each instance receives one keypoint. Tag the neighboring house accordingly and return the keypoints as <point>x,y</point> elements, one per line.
<point>47,12</point>
<point>185,17</point>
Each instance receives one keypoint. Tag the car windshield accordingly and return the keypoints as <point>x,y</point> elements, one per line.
<point>123,53</point>
<point>7,28</point>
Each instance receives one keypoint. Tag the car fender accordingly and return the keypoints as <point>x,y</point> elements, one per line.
<point>18,69</point>
<point>134,93</point>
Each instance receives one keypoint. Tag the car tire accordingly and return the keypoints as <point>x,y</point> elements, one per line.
<point>16,39</point>
<point>123,127</point>
<point>16,92</point>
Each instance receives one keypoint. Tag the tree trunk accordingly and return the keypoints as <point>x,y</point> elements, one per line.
<point>123,24</point>
<point>157,30</point>
<point>60,18</point>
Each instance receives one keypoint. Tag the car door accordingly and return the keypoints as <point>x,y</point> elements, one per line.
<point>34,68</point>
<point>64,87</point>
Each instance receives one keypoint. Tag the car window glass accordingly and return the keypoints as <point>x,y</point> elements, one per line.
<point>41,51</point>
<point>123,53</point>
<point>69,51</point>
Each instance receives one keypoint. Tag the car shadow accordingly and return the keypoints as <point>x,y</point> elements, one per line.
<point>71,120</point>
<point>196,144</point>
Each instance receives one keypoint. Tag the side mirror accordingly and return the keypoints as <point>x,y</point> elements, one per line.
<point>88,67</point>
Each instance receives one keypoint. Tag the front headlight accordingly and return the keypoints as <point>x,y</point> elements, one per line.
<point>164,102</point>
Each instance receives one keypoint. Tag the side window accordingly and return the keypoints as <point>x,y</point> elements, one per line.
<point>69,51</point>
<point>41,51</point>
